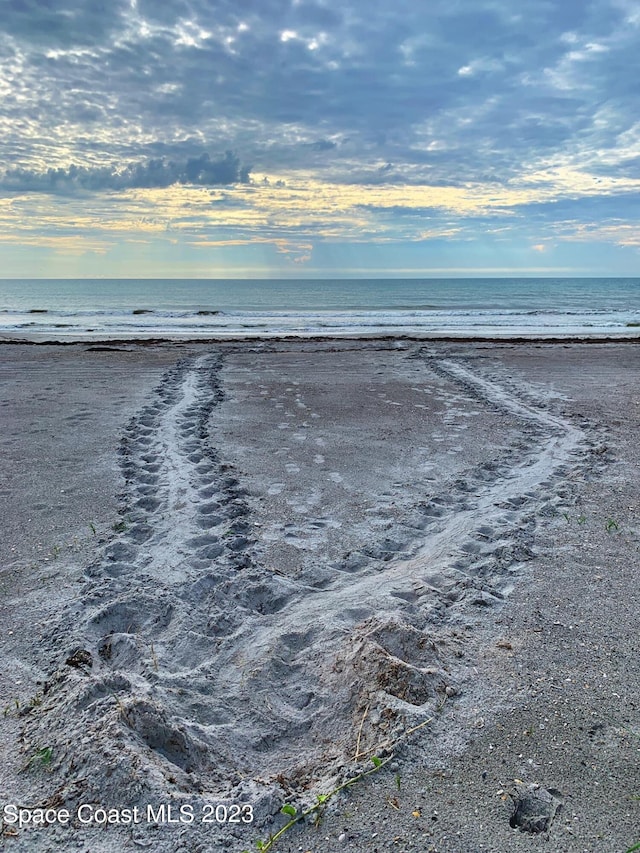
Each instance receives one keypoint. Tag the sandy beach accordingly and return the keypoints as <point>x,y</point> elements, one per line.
<point>234,573</point>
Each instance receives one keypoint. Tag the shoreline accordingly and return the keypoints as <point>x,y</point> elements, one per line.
<point>140,340</point>
<point>382,535</point>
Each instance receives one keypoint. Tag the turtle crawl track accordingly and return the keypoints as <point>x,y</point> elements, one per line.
<point>191,671</point>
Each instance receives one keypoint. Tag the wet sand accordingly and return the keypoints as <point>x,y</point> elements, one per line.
<point>233,573</point>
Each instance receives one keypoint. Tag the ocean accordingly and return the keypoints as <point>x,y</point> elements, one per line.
<point>72,309</point>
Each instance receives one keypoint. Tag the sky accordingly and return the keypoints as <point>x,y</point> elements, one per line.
<point>319,138</point>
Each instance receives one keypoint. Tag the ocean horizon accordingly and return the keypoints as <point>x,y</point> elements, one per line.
<point>76,309</point>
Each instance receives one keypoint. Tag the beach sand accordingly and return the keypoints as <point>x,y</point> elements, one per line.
<point>234,573</point>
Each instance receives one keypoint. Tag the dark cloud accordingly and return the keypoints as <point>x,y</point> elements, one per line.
<point>322,145</point>
<point>198,171</point>
<point>61,22</point>
<point>448,92</point>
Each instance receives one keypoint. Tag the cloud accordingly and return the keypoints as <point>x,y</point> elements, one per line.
<point>373,121</point>
<point>197,171</point>
<point>445,92</point>
<point>65,22</point>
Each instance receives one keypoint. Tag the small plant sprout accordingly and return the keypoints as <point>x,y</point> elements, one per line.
<point>316,808</point>
<point>92,527</point>
<point>582,519</point>
<point>10,708</point>
<point>41,757</point>
<point>35,700</point>
<point>45,755</point>
<point>611,525</point>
